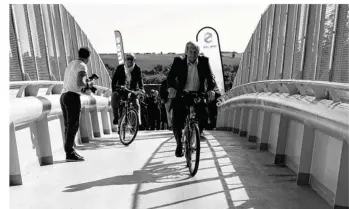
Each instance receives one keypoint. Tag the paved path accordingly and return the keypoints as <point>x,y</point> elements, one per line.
<point>146,174</point>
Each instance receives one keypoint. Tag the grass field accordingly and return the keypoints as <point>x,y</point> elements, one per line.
<point>148,61</point>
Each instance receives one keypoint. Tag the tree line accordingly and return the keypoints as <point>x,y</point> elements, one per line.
<point>156,75</point>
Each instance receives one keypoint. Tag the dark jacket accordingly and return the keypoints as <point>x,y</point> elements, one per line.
<point>177,77</point>
<point>163,91</point>
<point>119,78</point>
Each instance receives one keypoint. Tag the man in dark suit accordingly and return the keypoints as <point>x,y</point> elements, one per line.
<point>127,75</point>
<point>187,74</point>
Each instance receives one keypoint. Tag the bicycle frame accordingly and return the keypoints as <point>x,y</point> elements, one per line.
<point>128,103</point>
<point>191,117</point>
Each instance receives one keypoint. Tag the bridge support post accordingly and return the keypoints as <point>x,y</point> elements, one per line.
<point>61,120</point>
<point>230,120</point>
<point>306,155</point>
<point>281,140</point>
<point>266,120</point>
<point>226,116</point>
<point>111,116</point>
<point>252,129</point>
<point>41,136</point>
<point>85,124</point>
<point>105,123</point>
<point>220,120</point>
<point>244,120</point>
<point>15,169</point>
<point>237,116</point>
<point>95,124</point>
<point>342,193</point>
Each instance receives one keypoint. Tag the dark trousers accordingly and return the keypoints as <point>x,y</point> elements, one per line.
<point>115,102</point>
<point>154,118</point>
<point>179,115</point>
<point>71,108</point>
<point>212,109</point>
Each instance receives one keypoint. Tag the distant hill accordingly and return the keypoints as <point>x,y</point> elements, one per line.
<point>149,61</point>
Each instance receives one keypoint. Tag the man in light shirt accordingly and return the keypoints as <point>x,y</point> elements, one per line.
<point>191,73</point>
<point>74,81</point>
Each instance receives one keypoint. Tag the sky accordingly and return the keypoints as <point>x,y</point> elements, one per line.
<point>165,27</point>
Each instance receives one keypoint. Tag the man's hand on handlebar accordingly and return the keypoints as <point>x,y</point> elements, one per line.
<point>211,95</point>
<point>171,93</point>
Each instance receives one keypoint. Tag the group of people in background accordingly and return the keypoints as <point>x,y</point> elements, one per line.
<point>153,112</point>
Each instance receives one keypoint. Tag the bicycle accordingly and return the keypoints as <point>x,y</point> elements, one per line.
<point>129,120</point>
<point>191,135</point>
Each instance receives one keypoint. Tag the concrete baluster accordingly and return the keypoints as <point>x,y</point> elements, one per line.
<point>85,126</point>
<point>237,116</point>
<point>111,116</point>
<point>41,137</point>
<point>266,120</point>
<point>244,121</point>
<point>252,133</point>
<point>95,123</point>
<point>15,170</point>
<point>306,155</point>
<point>105,119</point>
<point>342,192</point>
<point>281,140</point>
<point>230,120</point>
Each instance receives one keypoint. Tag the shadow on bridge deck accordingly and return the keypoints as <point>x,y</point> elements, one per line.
<point>232,174</point>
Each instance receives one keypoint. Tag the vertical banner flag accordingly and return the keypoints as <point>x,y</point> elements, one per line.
<point>208,39</point>
<point>119,48</point>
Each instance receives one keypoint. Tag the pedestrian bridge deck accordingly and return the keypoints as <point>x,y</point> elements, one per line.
<point>233,173</point>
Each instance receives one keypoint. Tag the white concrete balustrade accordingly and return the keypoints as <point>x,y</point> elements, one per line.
<point>37,127</point>
<point>304,124</point>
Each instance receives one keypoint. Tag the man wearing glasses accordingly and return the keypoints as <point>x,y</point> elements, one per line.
<point>127,75</point>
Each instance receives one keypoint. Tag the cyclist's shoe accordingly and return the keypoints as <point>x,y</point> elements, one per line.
<point>179,151</point>
<point>115,122</point>
<point>74,157</point>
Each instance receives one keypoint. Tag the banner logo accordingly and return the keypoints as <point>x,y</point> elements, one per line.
<point>208,37</point>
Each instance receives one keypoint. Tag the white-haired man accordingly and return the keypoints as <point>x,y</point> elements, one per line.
<point>127,75</point>
<point>189,74</point>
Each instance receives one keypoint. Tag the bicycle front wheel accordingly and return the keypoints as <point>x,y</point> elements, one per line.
<point>193,149</point>
<point>128,126</point>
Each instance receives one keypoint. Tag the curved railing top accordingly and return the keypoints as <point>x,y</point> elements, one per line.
<point>338,92</point>
<point>324,105</point>
<point>31,88</point>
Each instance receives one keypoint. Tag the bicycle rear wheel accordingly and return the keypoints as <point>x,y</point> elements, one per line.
<point>193,149</point>
<point>128,126</point>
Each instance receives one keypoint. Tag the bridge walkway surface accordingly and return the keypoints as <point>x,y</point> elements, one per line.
<point>233,173</point>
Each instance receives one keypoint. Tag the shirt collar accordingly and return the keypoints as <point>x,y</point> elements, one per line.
<point>195,63</point>
<point>129,69</point>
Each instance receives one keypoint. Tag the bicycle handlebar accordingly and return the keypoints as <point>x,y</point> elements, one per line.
<point>128,90</point>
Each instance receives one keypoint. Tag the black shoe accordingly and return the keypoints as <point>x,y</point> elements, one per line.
<point>115,122</point>
<point>179,151</point>
<point>74,157</point>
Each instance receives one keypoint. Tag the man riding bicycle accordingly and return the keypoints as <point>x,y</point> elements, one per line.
<point>128,76</point>
<point>188,74</point>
